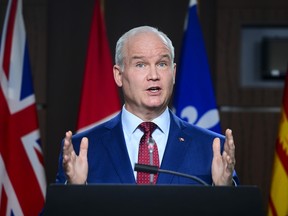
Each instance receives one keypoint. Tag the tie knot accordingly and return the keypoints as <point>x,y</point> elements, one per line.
<point>147,127</point>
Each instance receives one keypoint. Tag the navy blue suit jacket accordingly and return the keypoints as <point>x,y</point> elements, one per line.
<point>189,150</point>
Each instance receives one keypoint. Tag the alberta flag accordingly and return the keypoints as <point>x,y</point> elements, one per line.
<point>194,99</point>
<point>22,176</point>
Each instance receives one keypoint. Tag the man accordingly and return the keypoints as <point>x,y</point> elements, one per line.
<point>145,70</point>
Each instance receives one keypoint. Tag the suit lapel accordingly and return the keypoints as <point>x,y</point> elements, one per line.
<point>175,149</point>
<point>118,151</point>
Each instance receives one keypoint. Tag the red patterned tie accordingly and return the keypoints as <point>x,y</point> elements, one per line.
<point>148,153</point>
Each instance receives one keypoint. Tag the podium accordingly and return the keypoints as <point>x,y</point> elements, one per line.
<point>152,200</point>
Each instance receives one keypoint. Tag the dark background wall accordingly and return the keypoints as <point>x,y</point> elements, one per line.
<point>58,31</point>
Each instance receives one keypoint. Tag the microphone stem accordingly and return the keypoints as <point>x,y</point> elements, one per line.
<point>151,163</point>
<point>151,148</point>
<point>183,175</point>
<point>155,169</point>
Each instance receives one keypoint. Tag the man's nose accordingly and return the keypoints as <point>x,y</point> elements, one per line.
<point>153,73</point>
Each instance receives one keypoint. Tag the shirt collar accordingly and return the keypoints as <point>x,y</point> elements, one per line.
<point>130,122</point>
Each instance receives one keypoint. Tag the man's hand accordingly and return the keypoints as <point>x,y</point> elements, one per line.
<point>75,167</point>
<point>223,165</point>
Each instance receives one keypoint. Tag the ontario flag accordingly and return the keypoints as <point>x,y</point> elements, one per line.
<point>100,99</point>
<point>278,199</point>
<point>194,99</point>
<point>22,176</point>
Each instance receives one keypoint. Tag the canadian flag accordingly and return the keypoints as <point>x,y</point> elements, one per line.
<point>100,99</point>
<point>22,174</point>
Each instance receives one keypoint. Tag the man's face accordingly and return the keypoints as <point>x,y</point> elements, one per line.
<point>149,74</point>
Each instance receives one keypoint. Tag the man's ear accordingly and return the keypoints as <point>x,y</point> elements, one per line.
<point>174,73</point>
<point>117,75</point>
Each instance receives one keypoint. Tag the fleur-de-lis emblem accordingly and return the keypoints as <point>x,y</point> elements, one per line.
<point>208,120</point>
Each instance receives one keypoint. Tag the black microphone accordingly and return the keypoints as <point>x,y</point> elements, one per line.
<point>155,169</point>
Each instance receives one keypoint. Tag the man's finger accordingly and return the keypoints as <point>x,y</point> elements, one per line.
<point>229,146</point>
<point>67,140</point>
<point>67,147</point>
<point>216,147</point>
<point>229,138</point>
<point>83,148</point>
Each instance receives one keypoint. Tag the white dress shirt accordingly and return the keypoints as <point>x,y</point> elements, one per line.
<point>133,134</point>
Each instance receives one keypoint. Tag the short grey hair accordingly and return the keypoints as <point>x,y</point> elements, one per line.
<point>119,55</point>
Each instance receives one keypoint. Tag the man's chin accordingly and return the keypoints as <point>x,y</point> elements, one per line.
<point>156,107</point>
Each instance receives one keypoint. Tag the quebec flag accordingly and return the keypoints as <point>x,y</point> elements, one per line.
<point>194,99</point>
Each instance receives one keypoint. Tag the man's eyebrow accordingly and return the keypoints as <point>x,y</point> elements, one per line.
<point>166,56</point>
<point>137,57</point>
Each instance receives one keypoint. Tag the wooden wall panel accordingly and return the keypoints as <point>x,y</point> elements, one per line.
<point>252,112</point>
<point>228,85</point>
<point>255,135</point>
<point>68,32</point>
<point>35,19</point>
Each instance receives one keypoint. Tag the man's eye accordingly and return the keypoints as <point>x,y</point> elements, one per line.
<point>162,64</point>
<point>140,65</point>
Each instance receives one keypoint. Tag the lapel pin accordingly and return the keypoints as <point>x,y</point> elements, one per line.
<point>181,139</point>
